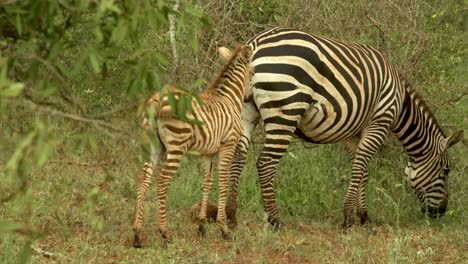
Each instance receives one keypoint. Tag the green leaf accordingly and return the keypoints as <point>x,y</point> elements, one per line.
<point>194,121</point>
<point>55,50</point>
<point>64,70</point>
<point>25,254</point>
<point>189,104</point>
<point>120,32</point>
<point>198,98</point>
<point>43,153</point>
<point>99,34</point>
<point>197,84</point>
<point>34,69</point>
<point>182,107</point>
<point>19,24</point>
<point>172,101</point>
<point>12,90</point>
<point>94,59</point>
<point>10,226</point>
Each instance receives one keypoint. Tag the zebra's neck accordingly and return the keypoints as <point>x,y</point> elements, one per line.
<point>416,128</point>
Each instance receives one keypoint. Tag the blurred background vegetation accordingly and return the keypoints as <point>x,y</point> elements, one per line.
<point>73,74</point>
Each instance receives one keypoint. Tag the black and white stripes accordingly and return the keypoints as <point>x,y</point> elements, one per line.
<point>328,91</point>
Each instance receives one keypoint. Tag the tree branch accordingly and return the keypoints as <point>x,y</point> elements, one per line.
<point>98,124</point>
<point>172,33</point>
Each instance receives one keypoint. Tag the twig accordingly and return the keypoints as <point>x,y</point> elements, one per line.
<point>89,164</point>
<point>63,94</point>
<point>42,252</point>
<point>452,101</point>
<point>47,254</point>
<point>381,32</point>
<point>115,111</point>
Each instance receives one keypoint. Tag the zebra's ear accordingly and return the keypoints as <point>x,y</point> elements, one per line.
<point>247,52</point>
<point>453,139</point>
<point>224,53</point>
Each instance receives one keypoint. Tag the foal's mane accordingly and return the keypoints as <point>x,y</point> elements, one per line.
<point>214,85</point>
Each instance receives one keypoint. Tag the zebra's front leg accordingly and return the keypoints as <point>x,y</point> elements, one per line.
<point>207,186</point>
<point>144,183</point>
<point>226,154</point>
<point>351,146</point>
<point>371,140</point>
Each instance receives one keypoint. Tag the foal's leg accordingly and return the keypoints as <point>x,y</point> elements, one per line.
<point>226,153</point>
<point>157,155</point>
<point>145,181</point>
<point>207,186</point>
<point>169,168</point>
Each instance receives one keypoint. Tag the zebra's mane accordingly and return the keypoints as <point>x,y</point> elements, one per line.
<point>215,84</point>
<point>421,103</point>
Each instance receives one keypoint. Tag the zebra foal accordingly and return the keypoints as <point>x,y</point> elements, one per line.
<point>218,136</point>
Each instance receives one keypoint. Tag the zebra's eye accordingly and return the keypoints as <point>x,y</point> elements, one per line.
<point>446,170</point>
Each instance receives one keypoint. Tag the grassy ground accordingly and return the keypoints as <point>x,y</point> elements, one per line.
<point>84,206</point>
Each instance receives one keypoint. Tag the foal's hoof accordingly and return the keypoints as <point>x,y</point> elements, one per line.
<point>166,235</point>
<point>226,236</point>
<point>137,243</point>
<point>201,230</point>
<point>211,212</point>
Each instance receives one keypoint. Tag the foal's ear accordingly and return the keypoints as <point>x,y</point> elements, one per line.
<point>224,53</point>
<point>246,52</point>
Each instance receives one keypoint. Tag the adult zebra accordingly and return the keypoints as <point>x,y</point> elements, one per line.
<point>328,91</point>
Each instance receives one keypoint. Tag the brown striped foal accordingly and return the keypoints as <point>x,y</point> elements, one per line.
<point>219,134</point>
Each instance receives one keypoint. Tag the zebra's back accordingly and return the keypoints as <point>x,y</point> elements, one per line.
<point>328,89</point>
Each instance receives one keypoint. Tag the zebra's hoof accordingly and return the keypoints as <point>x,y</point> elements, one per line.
<point>232,223</point>
<point>364,218</point>
<point>348,223</point>
<point>276,223</point>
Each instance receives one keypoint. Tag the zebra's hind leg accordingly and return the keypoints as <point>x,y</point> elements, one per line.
<point>275,146</point>
<point>207,186</point>
<point>371,140</point>
<point>144,183</point>
<point>250,117</point>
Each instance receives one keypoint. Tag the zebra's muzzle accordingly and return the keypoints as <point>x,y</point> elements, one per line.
<point>436,212</point>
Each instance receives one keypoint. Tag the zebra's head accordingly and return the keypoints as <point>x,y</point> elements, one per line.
<point>428,176</point>
<point>245,58</point>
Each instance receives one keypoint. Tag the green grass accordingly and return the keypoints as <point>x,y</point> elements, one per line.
<point>85,213</point>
